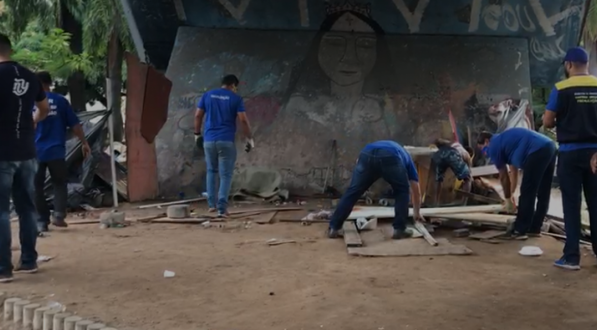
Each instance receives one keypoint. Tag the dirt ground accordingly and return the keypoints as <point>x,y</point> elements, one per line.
<point>230,279</point>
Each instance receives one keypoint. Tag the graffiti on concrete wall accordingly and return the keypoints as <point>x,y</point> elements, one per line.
<point>349,81</point>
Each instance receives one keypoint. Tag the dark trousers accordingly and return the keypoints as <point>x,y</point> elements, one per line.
<point>58,177</point>
<point>575,176</point>
<point>371,166</point>
<point>537,174</point>
<point>16,180</point>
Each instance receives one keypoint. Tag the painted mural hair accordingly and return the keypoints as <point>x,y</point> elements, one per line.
<point>230,80</point>
<point>484,136</point>
<point>307,78</point>
<point>5,44</point>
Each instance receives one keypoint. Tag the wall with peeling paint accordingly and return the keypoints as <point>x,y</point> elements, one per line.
<point>303,89</point>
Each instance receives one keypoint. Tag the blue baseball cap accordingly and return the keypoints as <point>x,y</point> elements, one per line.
<point>576,55</point>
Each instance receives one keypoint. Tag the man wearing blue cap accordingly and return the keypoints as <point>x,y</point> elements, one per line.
<point>572,109</point>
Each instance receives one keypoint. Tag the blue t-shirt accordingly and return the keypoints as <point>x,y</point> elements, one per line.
<point>221,107</point>
<point>20,89</point>
<point>399,151</point>
<point>50,135</point>
<point>552,105</point>
<point>514,145</point>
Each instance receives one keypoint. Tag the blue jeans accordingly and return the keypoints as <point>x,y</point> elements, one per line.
<point>536,186</point>
<point>220,157</point>
<point>575,176</point>
<point>372,165</point>
<point>16,179</point>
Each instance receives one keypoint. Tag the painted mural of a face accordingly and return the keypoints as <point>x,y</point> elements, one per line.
<point>349,49</point>
<point>347,58</point>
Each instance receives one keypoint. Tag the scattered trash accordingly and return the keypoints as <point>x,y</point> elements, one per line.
<point>169,274</point>
<point>206,224</point>
<point>56,306</point>
<point>530,251</point>
<point>275,241</point>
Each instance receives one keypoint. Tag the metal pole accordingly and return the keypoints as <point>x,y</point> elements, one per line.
<point>112,160</point>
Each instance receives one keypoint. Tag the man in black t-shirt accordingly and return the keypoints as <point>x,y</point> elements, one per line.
<point>20,91</point>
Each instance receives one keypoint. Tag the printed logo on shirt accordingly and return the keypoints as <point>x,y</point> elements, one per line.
<point>220,97</point>
<point>20,87</point>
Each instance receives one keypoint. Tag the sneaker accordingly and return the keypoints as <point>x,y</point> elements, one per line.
<point>400,234</point>
<point>334,233</point>
<point>223,214</point>
<point>6,278</point>
<point>26,269</point>
<point>514,235</point>
<point>58,222</point>
<point>563,263</point>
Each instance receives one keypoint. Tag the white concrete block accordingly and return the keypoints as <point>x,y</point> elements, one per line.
<point>71,321</point>
<point>9,308</point>
<point>38,318</point>
<point>28,313</point>
<point>17,311</point>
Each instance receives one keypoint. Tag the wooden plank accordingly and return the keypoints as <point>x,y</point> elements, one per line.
<point>266,218</point>
<point>426,235</point>
<point>489,234</point>
<point>388,212</point>
<point>408,248</point>
<point>498,219</point>
<point>479,198</point>
<point>564,238</point>
<point>269,209</point>
<point>484,170</point>
<point>351,234</point>
<point>185,201</point>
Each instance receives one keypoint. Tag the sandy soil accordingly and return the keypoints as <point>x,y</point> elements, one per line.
<point>230,279</point>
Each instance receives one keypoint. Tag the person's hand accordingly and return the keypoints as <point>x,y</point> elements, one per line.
<point>418,217</point>
<point>86,150</point>
<point>249,145</point>
<point>594,163</point>
<point>510,205</point>
<point>199,141</point>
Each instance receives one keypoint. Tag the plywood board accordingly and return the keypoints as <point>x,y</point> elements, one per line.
<point>351,234</point>
<point>410,247</point>
<point>489,234</point>
<point>484,170</point>
<point>499,219</point>
<point>388,212</point>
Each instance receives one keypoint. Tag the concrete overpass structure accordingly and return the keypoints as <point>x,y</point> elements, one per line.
<point>354,71</point>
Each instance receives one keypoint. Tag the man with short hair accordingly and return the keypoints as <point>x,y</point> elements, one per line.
<point>50,141</point>
<point>572,110</point>
<point>20,91</point>
<point>221,107</point>
<point>390,161</point>
<point>534,154</point>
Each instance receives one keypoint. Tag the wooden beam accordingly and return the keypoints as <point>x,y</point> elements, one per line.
<point>426,235</point>
<point>351,235</point>
<point>388,212</point>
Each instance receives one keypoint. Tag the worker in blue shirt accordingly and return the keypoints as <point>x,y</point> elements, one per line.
<point>390,161</point>
<point>535,154</point>
<point>221,108</point>
<point>572,110</point>
<point>50,142</point>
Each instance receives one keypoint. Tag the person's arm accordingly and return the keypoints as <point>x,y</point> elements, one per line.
<point>413,178</point>
<point>199,114</point>
<point>74,123</point>
<point>42,106</point>
<point>513,179</point>
<point>244,120</point>
<point>505,181</point>
<point>549,117</point>
<point>594,163</point>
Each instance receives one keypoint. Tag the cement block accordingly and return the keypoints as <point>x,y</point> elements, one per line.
<point>9,308</point>
<point>83,324</point>
<point>28,313</point>
<point>463,232</point>
<point>48,322</point>
<point>111,218</point>
<point>96,326</point>
<point>38,317</point>
<point>58,323</point>
<point>71,321</point>
<point>17,315</point>
<point>178,211</point>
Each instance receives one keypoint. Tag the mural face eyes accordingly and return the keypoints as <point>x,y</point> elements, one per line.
<point>348,57</point>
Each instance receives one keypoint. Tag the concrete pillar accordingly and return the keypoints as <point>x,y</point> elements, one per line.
<point>58,323</point>
<point>83,324</point>
<point>17,311</point>
<point>28,313</point>
<point>38,318</point>
<point>96,326</point>
<point>9,308</point>
<point>71,321</point>
<point>49,319</point>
